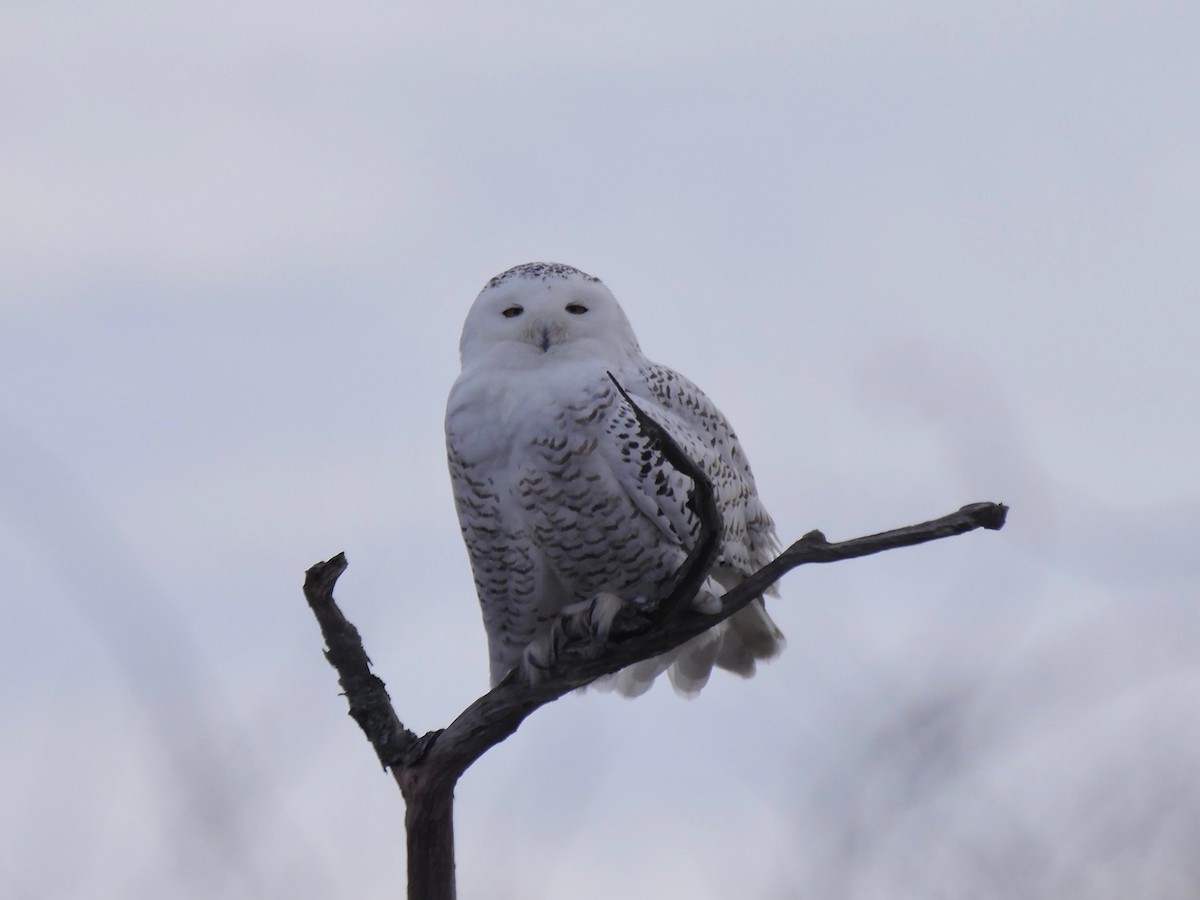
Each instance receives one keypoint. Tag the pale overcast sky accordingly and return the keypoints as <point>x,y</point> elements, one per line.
<point>920,256</point>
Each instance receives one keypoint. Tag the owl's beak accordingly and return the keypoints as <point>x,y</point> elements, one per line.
<point>544,333</point>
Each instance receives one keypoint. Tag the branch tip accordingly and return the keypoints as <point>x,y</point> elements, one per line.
<point>991,516</point>
<point>323,576</point>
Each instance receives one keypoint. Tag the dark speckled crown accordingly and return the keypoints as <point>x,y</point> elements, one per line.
<point>542,270</point>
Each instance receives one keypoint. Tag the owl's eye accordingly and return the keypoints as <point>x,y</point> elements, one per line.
<point>576,309</point>
<point>513,311</point>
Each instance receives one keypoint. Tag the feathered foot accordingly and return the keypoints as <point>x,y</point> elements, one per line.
<point>588,621</point>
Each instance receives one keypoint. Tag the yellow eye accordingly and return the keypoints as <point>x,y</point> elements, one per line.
<point>513,311</point>
<point>576,309</point>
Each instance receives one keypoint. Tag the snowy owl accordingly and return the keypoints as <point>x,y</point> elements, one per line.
<point>562,500</point>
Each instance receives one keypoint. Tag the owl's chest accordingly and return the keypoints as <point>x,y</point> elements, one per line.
<point>556,471</point>
<point>511,424</point>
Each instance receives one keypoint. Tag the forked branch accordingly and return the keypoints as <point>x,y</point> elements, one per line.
<point>427,768</point>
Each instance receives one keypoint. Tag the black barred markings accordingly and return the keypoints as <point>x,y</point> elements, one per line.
<point>748,541</point>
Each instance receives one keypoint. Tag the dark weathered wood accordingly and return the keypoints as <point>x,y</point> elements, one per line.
<point>370,705</point>
<point>428,768</point>
<point>429,828</point>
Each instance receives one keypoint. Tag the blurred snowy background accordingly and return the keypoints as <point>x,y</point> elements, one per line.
<point>922,255</point>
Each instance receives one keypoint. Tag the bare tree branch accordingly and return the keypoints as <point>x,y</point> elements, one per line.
<point>427,768</point>
<point>370,705</point>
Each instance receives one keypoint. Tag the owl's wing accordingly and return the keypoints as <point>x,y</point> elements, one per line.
<point>660,492</point>
<point>703,432</point>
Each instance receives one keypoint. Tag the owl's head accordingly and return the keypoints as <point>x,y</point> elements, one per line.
<point>538,312</point>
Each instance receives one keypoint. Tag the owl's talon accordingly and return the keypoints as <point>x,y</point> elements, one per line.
<point>585,621</point>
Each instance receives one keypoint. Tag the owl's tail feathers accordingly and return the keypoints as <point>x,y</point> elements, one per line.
<point>751,636</point>
<point>688,666</point>
<point>635,680</point>
<point>694,663</point>
<point>737,645</point>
